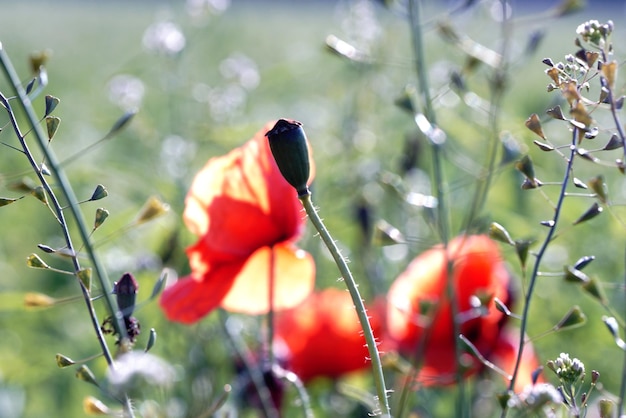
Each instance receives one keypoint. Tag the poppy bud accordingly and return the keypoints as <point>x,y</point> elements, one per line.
<point>288,143</point>
<point>126,291</point>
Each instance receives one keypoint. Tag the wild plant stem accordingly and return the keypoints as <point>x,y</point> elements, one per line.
<point>622,136</point>
<point>255,371</point>
<point>443,221</point>
<point>346,274</point>
<point>64,185</point>
<point>622,389</point>
<point>539,258</point>
<point>497,95</point>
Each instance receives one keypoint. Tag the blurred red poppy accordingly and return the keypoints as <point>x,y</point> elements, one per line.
<point>323,336</point>
<point>419,314</point>
<point>505,355</point>
<point>247,218</point>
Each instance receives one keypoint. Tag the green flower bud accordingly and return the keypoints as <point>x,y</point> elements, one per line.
<point>288,143</point>
<point>64,361</point>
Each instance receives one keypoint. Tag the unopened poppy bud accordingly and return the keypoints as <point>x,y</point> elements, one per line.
<point>126,291</point>
<point>289,147</point>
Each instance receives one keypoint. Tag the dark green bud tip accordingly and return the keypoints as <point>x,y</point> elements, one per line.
<point>289,147</point>
<point>126,292</point>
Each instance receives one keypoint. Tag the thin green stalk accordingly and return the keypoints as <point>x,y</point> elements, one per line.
<point>303,395</point>
<point>497,95</point>
<point>377,367</point>
<point>437,140</point>
<point>539,258</point>
<point>622,389</point>
<point>255,371</point>
<point>64,185</point>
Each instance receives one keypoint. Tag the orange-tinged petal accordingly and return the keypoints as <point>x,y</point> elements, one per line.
<point>190,299</point>
<point>240,201</point>
<point>293,273</point>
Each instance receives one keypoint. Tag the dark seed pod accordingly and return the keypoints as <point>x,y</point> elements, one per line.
<point>289,147</point>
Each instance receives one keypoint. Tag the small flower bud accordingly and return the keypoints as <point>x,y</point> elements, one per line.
<point>34,261</point>
<point>153,208</point>
<point>38,300</point>
<point>93,406</point>
<point>126,291</point>
<point>606,408</point>
<point>595,375</point>
<point>151,339</point>
<point>289,147</point>
<point>99,193</point>
<point>64,361</point>
<point>84,275</point>
<point>86,375</point>
<point>101,215</point>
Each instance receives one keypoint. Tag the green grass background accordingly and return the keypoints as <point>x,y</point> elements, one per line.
<point>356,132</point>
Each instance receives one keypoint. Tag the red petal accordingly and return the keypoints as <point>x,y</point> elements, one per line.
<point>294,278</point>
<point>324,336</point>
<point>478,270</point>
<point>240,202</point>
<point>189,300</point>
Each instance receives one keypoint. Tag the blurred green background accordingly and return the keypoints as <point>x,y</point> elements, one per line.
<point>241,65</point>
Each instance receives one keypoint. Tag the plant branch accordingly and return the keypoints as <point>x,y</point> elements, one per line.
<point>59,175</point>
<point>539,258</point>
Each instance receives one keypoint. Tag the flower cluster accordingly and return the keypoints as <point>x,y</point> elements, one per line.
<point>538,399</point>
<point>568,370</point>
<point>594,32</point>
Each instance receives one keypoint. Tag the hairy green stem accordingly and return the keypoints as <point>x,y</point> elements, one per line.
<point>346,274</point>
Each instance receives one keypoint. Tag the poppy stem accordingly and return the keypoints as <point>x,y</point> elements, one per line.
<point>351,284</point>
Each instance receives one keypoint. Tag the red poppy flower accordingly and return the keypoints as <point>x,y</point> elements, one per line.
<point>247,218</point>
<point>323,336</point>
<point>419,315</point>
